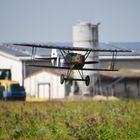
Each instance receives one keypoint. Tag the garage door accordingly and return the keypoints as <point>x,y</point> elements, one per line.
<point>44,90</point>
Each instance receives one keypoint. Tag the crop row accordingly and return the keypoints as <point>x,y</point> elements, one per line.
<point>102,120</point>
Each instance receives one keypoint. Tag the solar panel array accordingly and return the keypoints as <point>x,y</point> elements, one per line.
<point>133,46</point>
<point>12,50</point>
<point>23,51</point>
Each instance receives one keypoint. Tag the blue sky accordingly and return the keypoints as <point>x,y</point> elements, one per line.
<point>52,20</point>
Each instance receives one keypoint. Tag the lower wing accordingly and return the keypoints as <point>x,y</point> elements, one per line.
<point>58,67</point>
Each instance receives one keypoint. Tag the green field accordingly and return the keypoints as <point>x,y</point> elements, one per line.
<point>70,120</point>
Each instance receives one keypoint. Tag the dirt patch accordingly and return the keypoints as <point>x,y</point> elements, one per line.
<point>95,98</point>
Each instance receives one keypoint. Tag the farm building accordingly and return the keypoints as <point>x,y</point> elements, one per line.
<point>123,83</point>
<point>38,81</point>
<point>35,81</point>
<point>46,84</point>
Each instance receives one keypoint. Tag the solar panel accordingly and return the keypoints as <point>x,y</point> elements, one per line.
<point>24,51</point>
<point>134,46</point>
<point>128,45</point>
<point>10,50</point>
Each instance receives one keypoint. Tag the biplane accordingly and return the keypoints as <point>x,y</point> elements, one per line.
<point>74,58</point>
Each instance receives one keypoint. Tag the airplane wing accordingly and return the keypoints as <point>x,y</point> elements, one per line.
<point>45,58</point>
<point>70,48</point>
<point>58,67</point>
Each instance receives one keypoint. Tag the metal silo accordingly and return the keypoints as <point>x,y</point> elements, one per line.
<point>85,34</point>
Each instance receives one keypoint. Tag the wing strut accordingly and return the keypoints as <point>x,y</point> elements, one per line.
<point>33,52</point>
<point>87,54</point>
<point>63,52</point>
<point>81,73</point>
<point>114,58</point>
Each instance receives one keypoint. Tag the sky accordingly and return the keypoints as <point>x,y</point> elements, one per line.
<point>52,20</point>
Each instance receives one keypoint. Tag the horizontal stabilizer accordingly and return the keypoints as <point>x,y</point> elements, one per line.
<point>91,62</point>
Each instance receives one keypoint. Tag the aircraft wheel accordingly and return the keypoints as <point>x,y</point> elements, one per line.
<point>87,80</point>
<point>62,78</point>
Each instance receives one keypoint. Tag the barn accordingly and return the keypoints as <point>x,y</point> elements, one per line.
<point>123,83</point>
<point>13,59</point>
<point>35,80</point>
<point>45,83</point>
<point>38,81</point>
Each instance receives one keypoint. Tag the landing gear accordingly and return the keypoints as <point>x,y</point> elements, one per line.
<point>62,78</point>
<point>87,80</point>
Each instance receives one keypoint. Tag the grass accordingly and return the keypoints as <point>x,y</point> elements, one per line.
<point>71,120</point>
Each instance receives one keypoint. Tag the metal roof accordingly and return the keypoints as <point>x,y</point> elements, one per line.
<point>18,51</point>
<point>135,47</point>
<point>13,50</point>
<point>122,73</point>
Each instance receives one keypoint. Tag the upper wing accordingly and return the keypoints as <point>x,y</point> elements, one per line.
<point>71,48</point>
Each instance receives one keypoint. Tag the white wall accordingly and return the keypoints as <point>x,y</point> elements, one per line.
<point>14,65</point>
<point>56,89</point>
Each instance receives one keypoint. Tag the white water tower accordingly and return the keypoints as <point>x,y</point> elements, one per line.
<point>85,34</point>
